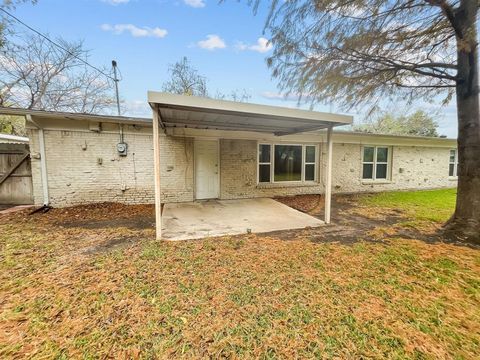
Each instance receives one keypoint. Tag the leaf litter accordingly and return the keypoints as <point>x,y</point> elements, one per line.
<point>111,291</point>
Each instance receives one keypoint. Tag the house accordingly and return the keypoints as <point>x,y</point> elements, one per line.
<point>221,149</point>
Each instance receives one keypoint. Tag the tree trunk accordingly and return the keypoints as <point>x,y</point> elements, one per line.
<point>465,223</point>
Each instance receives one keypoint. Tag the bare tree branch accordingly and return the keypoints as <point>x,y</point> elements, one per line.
<point>34,74</point>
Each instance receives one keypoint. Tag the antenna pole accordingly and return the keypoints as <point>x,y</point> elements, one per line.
<point>115,79</point>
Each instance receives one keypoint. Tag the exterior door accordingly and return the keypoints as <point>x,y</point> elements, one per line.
<point>206,169</point>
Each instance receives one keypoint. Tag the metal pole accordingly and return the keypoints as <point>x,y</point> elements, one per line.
<point>328,181</point>
<point>156,166</point>
<point>115,79</point>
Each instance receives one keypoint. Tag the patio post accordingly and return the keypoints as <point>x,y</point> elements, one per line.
<point>328,180</point>
<point>156,165</point>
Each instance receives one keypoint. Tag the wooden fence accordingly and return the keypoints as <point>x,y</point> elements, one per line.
<point>15,175</point>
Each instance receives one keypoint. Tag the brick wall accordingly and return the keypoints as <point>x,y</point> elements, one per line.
<point>84,167</point>
<point>411,168</point>
<point>238,174</point>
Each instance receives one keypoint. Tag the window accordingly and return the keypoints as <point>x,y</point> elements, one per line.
<point>288,163</point>
<point>310,162</point>
<point>453,164</point>
<point>264,163</point>
<point>282,162</point>
<point>375,163</point>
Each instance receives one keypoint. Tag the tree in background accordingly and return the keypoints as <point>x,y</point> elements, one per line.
<point>417,124</point>
<point>186,80</point>
<point>366,52</point>
<point>13,125</point>
<point>235,95</point>
<point>5,21</point>
<point>35,74</point>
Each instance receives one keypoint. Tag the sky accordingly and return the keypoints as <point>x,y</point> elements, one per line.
<point>224,42</point>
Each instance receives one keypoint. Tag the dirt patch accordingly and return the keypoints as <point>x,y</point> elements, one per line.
<point>352,222</point>
<point>118,243</point>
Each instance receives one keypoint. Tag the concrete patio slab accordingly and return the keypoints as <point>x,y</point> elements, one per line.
<point>210,218</point>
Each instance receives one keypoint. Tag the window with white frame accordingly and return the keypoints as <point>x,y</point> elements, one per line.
<point>376,163</point>
<point>310,163</point>
<point>453,164</point>
<point>287,162</point>
<point>264,162</point>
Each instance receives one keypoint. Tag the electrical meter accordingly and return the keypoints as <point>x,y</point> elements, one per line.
<point>122,149</point>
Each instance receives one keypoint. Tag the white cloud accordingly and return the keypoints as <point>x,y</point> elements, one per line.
<point>195,3</point>
<point>212,42</point>
<point>262,46</point>
<point>115,2</point>
<point>135,31</point>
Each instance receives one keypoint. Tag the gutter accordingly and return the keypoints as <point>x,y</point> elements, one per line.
<point>43,161</point>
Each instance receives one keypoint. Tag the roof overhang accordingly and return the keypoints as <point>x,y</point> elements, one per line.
<point>42,114</point>
<point>13,139</point>
<point>180,111</point>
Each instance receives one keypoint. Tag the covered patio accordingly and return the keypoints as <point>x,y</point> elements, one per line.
<point>210,119</point>
<point>200,219</point>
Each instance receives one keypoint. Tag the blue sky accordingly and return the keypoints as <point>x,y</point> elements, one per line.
<point>224,42</point>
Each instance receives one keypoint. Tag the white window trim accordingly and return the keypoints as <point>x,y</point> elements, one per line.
<point>305,163</point>
<point>263,163</point>
<point>375,163</point>
<point>455,164</point>
<point>272,163</point>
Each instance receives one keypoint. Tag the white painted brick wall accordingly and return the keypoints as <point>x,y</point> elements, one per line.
<point>423,168</point>
<point>238,174</point>
<point>75,177</point>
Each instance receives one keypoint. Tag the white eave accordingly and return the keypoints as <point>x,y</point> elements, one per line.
<point>43,114</point>
<point>180,111</point>
<point>13,139</point>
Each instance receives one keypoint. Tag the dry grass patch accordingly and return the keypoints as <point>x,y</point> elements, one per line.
<point>239,297</point>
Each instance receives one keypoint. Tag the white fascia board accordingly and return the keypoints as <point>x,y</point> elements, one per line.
<point>257,110</point>
<point>42,114</point>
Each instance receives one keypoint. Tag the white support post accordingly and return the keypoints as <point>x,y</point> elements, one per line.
<point>328,180</point>
<point>156,165</point>
<point>43,161</point>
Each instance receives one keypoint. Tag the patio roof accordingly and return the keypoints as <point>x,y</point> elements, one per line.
<point>180,111</point>
<point>170,111</point>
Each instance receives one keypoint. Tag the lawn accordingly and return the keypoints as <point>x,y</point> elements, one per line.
<point>74,284</point>
<point>429,205</point>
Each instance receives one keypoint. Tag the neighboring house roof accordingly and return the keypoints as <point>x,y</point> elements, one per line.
<point>13,139</point>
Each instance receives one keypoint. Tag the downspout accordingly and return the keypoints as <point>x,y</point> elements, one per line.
<point>43,162</point>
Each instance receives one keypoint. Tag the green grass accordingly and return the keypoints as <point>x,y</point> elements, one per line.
<point>429,205</point>
<point>252,296</point>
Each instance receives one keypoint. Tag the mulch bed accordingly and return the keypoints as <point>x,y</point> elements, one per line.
<point>312,203</point>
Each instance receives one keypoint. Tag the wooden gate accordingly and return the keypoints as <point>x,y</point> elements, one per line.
<point>15,175</point>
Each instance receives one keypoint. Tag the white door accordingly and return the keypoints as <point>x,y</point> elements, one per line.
<point>206,169</point>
